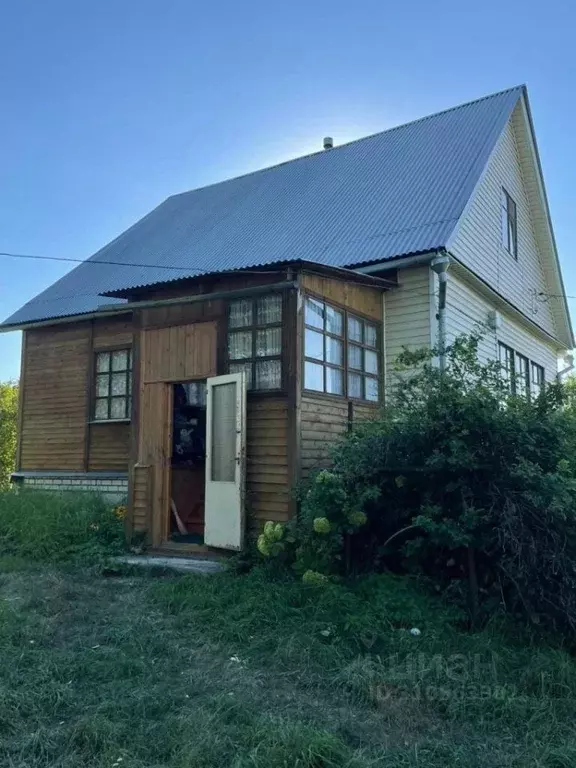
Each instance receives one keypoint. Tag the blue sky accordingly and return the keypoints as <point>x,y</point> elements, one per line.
<point>108,107</point>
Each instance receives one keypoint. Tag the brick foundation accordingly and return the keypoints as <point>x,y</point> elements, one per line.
<point>112,486</point>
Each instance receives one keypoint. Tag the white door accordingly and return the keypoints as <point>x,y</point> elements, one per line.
<point>225,461</point>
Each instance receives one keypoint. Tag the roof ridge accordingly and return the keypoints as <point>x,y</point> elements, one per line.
<point>518,88</point>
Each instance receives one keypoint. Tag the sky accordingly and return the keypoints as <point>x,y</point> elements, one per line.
<point>109,107</point>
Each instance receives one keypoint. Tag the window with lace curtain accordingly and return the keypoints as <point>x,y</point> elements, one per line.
<point>113,385</point>
<point>255,340</point>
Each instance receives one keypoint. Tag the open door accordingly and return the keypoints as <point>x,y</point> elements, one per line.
<point>225,461</point>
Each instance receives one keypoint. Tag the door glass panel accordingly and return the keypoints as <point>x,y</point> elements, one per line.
<point>314,376</point>
<point>224,433</point>
<point>314,313</point>
<point>314,345</point>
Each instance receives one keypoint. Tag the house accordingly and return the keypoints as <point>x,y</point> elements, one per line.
<point>202,361</point>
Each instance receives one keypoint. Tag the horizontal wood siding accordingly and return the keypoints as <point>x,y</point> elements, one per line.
<point>353,296</point>
<point>408,316</point>
<point>267,472</point>
<point>140,498</point>
<point>323,421</point>
<point>109,447</point>
<point>467,310</point>
<point>478,241</point>
<point>55,392</point>
<point>116,332</point>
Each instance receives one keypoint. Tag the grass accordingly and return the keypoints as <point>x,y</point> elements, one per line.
<point>247,672</point>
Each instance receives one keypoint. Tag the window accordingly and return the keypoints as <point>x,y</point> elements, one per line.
<point>255,340</point>
<point>340,352</point>
<point>509,224</point>
<point>113,385</point>
<point>522,376</point>
<point>537,379</point>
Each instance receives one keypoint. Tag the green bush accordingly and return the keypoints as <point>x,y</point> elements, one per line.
<point>462,482</point>
<point>8,421</point>
<point>55,527</point>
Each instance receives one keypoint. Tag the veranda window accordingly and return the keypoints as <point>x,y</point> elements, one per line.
<point>255,340</point>
<point>113,385</point>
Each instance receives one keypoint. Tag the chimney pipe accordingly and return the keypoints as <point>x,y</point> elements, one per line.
<point>328,142</point>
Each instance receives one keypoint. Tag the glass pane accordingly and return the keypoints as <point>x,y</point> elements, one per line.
<point>102,385</point>
<point>224,433</point>
<point>239,367</point>
<point>240,313</point>
<point>268,342</point>
<point>314,313</point>
<point>101,409</point>
<point>314,376</point>
<point>118,408</point>
<point>334,323</point>
<point>120,360</point>
<point>371,388</point>
<point>103,362</point>
<point>268,374</point>
<point>354,385</point>
<point>354,329</point>
<point>195,392</point>
<point>240,345</point>
<point>354,357</point>
<point>333,350</point>
<point>370,361</point>
<point>269,310</point>
<point>314,344</point>
<point>334,381</point>
<point>119,383</point>
<point>370,335</point>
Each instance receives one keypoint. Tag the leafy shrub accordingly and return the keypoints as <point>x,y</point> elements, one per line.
<point>8,420</point>
<point>461,481</point>
<point>47,526</point>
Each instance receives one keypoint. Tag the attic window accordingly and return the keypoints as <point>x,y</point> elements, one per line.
<point>509,224</point>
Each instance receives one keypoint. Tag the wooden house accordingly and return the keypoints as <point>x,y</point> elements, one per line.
<point>201,363</point>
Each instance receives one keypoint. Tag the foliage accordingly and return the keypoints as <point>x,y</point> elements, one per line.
<point>8,428</point>
<point>461,481</point>
<point>55,527</point>
<point>222,671</point>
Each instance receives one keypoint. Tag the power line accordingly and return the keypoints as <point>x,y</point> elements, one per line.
<point>131,264</point>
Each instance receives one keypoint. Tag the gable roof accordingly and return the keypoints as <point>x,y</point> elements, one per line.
<point>388,195</point>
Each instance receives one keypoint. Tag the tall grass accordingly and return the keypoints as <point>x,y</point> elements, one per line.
<point>54,527</point>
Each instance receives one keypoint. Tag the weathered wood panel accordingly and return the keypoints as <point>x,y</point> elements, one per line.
<point>355,297</point>
<point>267,474</point>
<point>140,498</point>
<point>179,353</point>
<point>55,398</point>
<point>113,332</point>
<point>109,447</point>
<point>322,422</point>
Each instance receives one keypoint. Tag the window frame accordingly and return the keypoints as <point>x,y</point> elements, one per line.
<point>129,396</point>
<point>540,384</point>
<point>512,374</point>
<point>345,340</point>
<point>253,329</point>
<point>509,223</point>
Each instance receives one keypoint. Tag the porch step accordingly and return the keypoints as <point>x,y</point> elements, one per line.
<point>188,564</point>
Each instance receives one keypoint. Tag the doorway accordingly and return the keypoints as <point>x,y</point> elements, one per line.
<point>188,463</point>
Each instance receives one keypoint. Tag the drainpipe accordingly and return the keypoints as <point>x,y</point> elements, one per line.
<point>440,265</point>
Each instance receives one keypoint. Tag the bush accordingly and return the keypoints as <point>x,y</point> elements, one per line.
<point>460,481</point>
<point>8,421</point>
<point>55,527</point>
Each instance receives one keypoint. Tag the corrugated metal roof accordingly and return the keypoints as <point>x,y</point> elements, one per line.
<point>397,192</point>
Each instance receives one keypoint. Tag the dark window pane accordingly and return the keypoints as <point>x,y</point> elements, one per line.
<point>314,376</point>
<point>334,381</point>
<point>314,313</point>
<point>314,344</point>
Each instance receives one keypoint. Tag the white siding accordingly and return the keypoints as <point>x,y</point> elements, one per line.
<point>407,314</point>
<point>477,242</point>
<point>466,310</point>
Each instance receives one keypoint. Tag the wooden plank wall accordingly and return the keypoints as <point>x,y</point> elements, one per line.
<point>140,493</point>
<point>323,421</point>
<point>179,353</point>
<point>353,296</point>
<point>267,480</point>
<point>55,397</point>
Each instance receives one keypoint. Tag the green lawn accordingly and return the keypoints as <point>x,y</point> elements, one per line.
<point>133,670</point>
